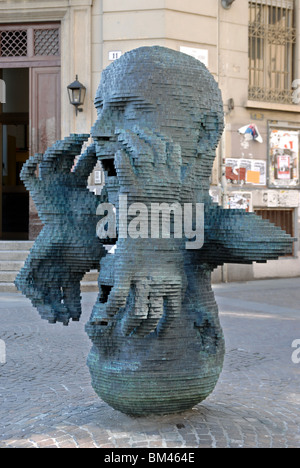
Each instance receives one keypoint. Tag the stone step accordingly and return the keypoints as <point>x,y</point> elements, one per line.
<point>16,245</point>
<point>8,288</point>
<point>11,265</point>
<point>8,276</point>
<point>86,286</point>
<point>14,255</point>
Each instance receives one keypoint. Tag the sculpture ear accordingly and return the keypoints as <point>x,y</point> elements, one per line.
<point>210,131</point>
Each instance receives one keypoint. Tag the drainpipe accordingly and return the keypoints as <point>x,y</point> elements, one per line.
<point>222,154</point>
<point>224,193</point>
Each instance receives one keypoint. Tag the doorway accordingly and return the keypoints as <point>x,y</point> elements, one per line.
<point>29,117</point>
<point>14,121</point>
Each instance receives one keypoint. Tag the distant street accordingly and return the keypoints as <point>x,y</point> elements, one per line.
<point>46,399</point>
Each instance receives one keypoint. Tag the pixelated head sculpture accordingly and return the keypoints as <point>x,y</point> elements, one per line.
<point>158,346</point>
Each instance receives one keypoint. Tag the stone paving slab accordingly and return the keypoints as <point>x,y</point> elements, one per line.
<point>46,400</point>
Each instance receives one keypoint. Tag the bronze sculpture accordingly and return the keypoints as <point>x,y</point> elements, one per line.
<point>158,346</point>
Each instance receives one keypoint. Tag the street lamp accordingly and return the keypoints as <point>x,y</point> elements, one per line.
<point>76,92</point>
<point>227,4</point>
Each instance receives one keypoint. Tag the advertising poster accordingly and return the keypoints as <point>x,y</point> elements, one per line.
<point>284,167</point>
<point>284,158</point>
<point>241,201</point>
<point>246,171</point>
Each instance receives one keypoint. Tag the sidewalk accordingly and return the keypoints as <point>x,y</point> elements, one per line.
<point>46,399</point>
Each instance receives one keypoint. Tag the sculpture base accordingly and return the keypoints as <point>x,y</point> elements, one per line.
<point>169,370</point>
<point>141,392</point>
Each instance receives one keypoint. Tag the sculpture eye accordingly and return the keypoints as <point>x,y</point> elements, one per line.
<point>117,104</point>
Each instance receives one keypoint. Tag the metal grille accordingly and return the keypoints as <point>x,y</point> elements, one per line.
<point>46,42</point>
<point>272,38</point>
<point>30,43</point>
<point>13,43</point>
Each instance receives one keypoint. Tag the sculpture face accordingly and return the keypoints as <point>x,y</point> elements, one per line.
<point>165,92</point>
<point>158,346</point>
<point>123,109</point>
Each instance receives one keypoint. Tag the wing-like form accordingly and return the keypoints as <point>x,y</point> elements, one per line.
<point>235,236</point>
<point>67,246</point>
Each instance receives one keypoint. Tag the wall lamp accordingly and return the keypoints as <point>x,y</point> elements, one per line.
<point>76,92</point>
<point>227,4</point>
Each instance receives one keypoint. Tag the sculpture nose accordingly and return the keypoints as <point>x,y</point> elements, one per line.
<point>105,125</point>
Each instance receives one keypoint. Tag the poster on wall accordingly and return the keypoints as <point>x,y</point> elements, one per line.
<point>246,171</point>
<point>284,166</point>
<point>241,201</point>
<point>283,158</point>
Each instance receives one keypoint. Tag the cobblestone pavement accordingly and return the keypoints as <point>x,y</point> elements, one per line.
<point>46,399</point>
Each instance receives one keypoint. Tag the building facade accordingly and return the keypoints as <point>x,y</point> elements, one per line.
<point>252,49</point>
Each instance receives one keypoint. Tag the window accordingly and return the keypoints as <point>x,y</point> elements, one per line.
<point>272,38</point>
<point>283,218</point>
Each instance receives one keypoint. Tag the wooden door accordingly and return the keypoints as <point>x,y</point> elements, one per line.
<point>45,108</point>
<point>44,122</point>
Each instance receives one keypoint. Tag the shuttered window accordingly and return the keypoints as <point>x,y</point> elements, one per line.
<point>283,218</point>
